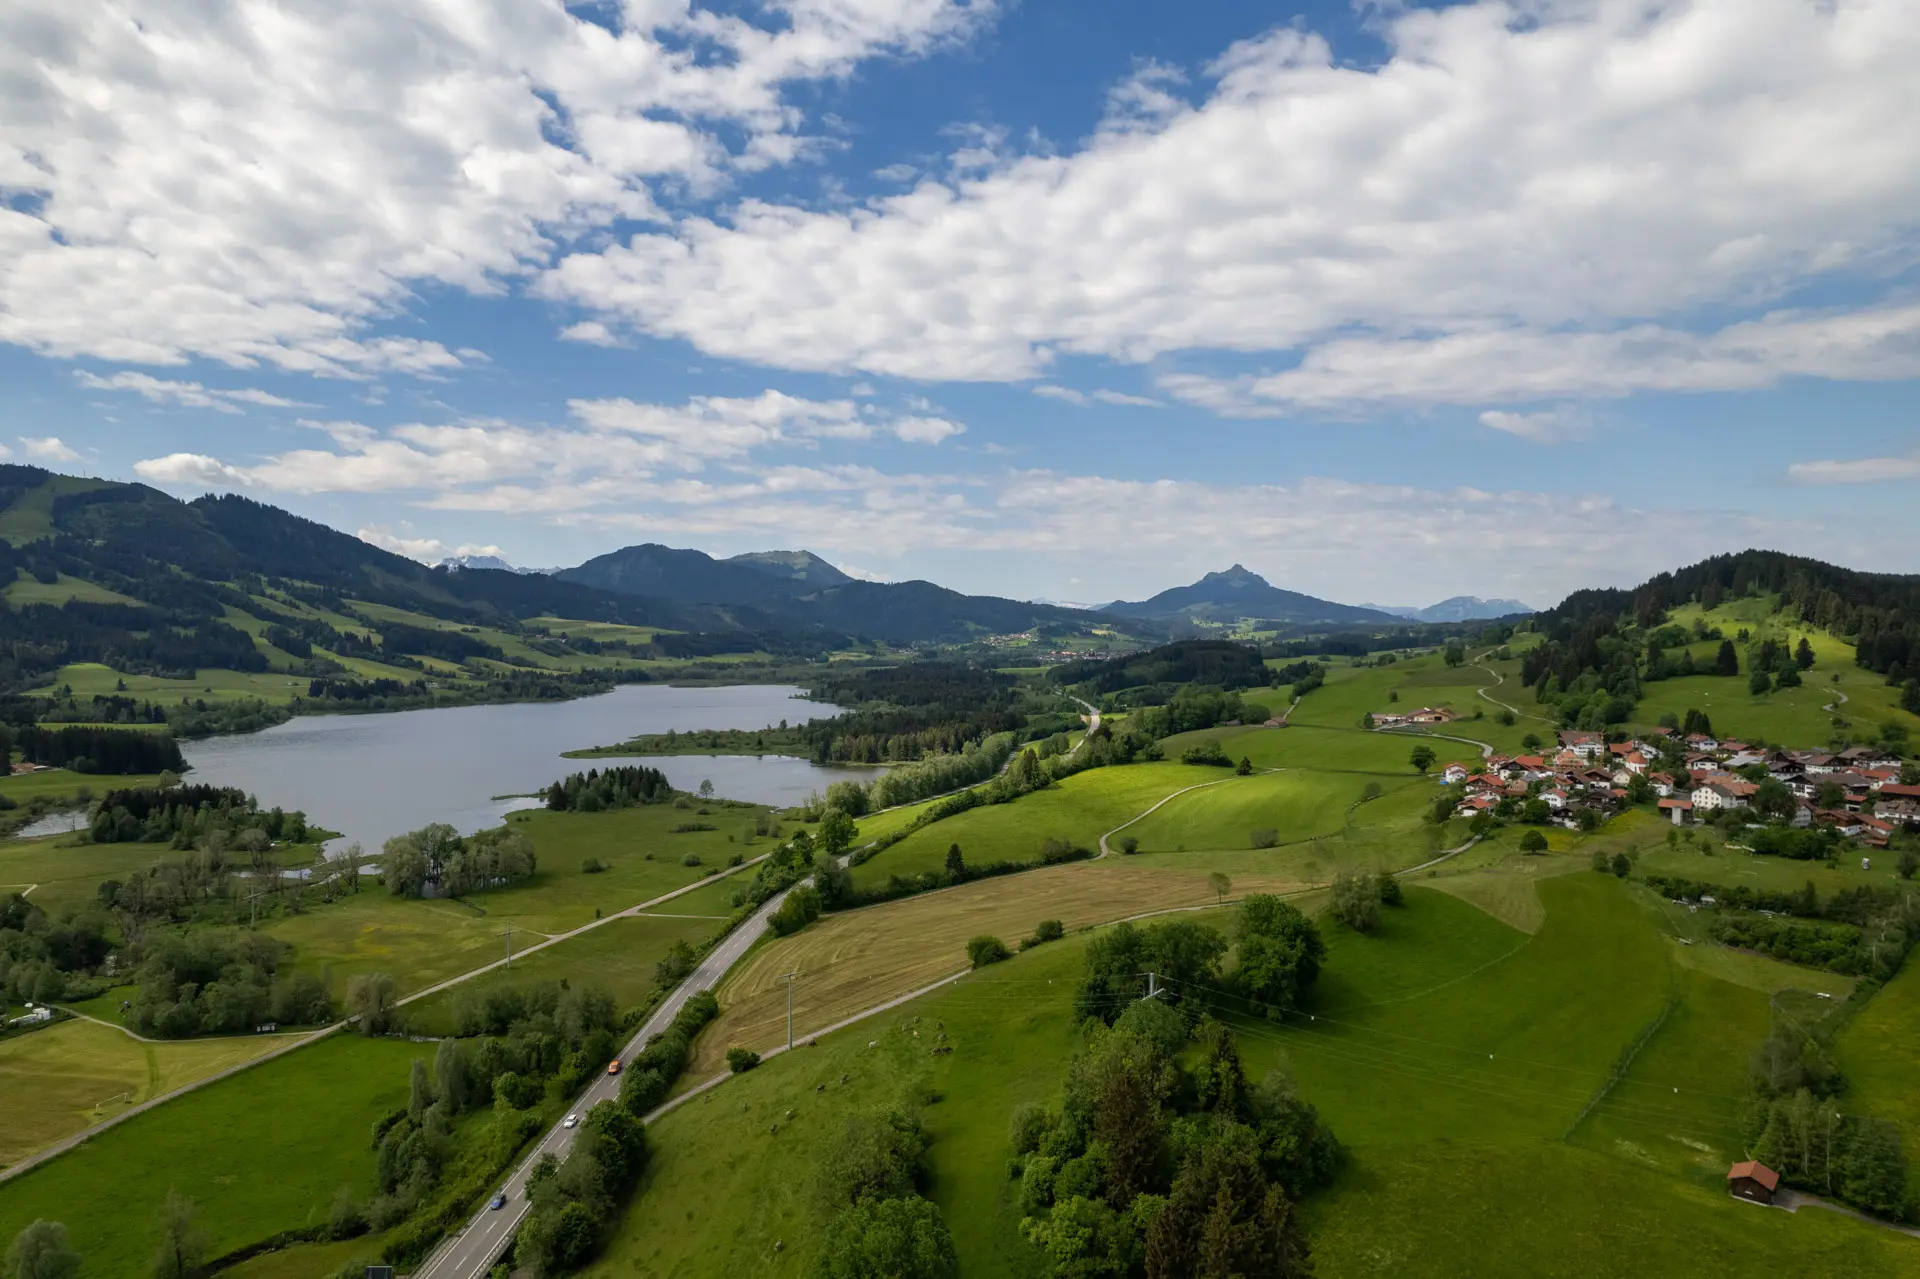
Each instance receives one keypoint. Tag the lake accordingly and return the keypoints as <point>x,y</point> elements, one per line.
<point>371,777</point>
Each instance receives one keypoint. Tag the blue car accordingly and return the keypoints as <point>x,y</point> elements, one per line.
<point>499,1201</point>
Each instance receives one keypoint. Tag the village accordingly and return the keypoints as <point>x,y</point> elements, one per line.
<point>1859,792</point>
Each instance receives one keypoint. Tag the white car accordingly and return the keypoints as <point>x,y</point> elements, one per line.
<point>571,1121</point>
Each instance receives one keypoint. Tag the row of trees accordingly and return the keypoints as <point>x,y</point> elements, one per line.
<point>89,749</point>
<point>187,816</point>
<point>221,982</point>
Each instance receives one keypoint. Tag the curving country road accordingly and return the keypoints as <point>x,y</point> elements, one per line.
<point>473,1251</point>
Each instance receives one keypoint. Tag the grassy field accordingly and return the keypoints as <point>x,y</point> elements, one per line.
<point>619,955</point>
<point>261,1152</point>
<point>1079,809</point>
<point>62,1079</point>
<point>68,873</point>
<point>863,957</point>
<point>27,590</point>
<point>1879,1052</point>
<point>421,942</point>
<point>1351,692</point>
<point>1336,749</point>
<point>88,678</point>
<point>61,783</point>
<point>1398,1062</point>
<point>1295,804</point>
<point>31,517</point>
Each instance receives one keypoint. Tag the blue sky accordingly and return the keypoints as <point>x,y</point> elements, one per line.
<point>1066,300</point>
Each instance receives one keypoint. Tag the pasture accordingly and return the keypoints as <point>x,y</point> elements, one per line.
<point>1334,749</point>
<point>210,684</point>
<point>28,590</point>
<point>1457,1164</point>
<point>859,958</point>
<point>1295,805</point>
<point>422,942</point>
<point>619,955</point>
<point>261,1152</point>
<point>1078,809</point>
<point>1879,1052</point>
<point>67,1077</point>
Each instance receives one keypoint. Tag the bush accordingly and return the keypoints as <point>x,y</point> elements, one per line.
<point>1602,863</point>
<point>1045,931</point>
<point>1533,842</point>
<point>986,949</point>
<point>1206,753</point>
<point>1129,845</point>
<point>1265,837</point>
<point>591,866</point>
<point>801,908</point>
<point>741,1060</point>
<point>691,859</point>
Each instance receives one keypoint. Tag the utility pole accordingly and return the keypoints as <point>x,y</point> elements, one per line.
<point>1152,992</point>
<point>509,936</point>
<point>788,978</point>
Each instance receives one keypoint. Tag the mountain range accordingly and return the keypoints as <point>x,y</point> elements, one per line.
<point>1457,608</point>
<point>1239,592</point>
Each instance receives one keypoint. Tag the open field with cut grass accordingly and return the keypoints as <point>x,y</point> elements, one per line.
<point>67,1077</point>
<point>1398,1063</point>
<point>1294,804</point>
<point>859,958</point>
<point>1879,1052</point>
<point>261,1152</point>
<point>619,955</point>
<point>1079,809</point>
<point>1351,692</point>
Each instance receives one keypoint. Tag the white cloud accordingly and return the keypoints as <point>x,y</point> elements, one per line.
<point>896,173</point>
<point>616,450</point>
<point>1572,179</point>
<point>428,550</point>
<point>49,449</point>
<point>185,394</point>
<point>862,574</point>
<point>1548,426</point>
<point>1862,470</point>
<point>264,182</point>
<point>1065,394</point>
<point>591,332</point>
<point>1087,399</point>
<point>925,430</point>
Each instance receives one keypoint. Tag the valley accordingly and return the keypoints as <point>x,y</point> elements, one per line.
<point>1555,904</point>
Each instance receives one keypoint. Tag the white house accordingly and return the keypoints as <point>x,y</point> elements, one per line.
<point>1454,774</point>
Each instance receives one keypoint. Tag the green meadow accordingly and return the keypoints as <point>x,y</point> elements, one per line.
<point>263,1151</point>
<point>1295,805</point>
<point>1079,809</point>
<point>1452,1053</point>
<point>419,943</point>
<point>1879,1052</point>
<point>620,955</point>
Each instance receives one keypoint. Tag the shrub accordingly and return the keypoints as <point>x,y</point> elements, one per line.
<point>1129,844</point>
<point>741,1060</point>
<point>1045,931</point>
<point>1621,866</point>
<point>1533,842</point>
<point>691,859</point>
<point>1206,753</point>
<point>592,866</point>
<point>1602,863</point>
<point>986,949</point>
<point>1265,837</point>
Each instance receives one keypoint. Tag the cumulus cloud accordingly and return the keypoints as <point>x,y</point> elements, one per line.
<point>266,182</point>
<point>48,449</point>
<point>428,550</point>
<point>614,450</point>
<point>185,394</point>
<point>1569,183</point>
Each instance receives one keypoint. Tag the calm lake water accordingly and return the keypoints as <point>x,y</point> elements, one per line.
<point>375,776</point>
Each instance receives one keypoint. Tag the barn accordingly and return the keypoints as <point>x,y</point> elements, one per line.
<point>1753,1180</point>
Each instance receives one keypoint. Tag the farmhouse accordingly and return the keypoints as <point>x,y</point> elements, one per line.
<point>1429,715</point>
<point>1753,1180</point>
<point>1723,794</point>
<point>1454,774</point>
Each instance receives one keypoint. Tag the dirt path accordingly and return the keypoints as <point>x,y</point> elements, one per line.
<point>1138,817</point>
<point>1833,707</point>
<point>1498,680</point>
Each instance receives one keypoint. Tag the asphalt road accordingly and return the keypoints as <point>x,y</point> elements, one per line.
<point>472,1252</point>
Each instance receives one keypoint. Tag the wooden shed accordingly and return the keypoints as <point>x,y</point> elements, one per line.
<point>1753,1180</point>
